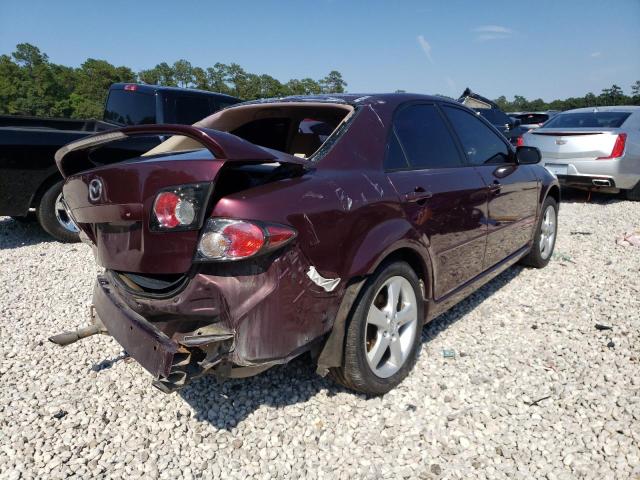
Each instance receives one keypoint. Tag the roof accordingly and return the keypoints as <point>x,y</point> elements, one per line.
<point>619,108</point>
<point>143,87</point>
<point>353,98</point>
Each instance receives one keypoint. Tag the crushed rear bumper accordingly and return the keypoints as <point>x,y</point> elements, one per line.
<point>172,363</point>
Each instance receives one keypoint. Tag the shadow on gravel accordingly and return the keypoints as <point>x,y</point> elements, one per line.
<point>571,195</point>
<point>14,234</point>
<point>226,404</point>
<point>443,321</point>
<point>109,362</point>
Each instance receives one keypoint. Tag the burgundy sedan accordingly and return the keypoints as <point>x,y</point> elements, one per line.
<point>335,225</point>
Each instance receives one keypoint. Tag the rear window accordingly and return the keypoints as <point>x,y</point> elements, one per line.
<point>130,108</point>
<point>529,118</point>
<point>187,109</point>
<point>588,120</point>
<point>425,139</point>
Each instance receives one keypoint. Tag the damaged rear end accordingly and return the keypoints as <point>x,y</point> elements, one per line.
<point>178,292</point>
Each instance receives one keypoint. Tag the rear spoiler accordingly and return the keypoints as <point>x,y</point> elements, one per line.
<point>222,145</point>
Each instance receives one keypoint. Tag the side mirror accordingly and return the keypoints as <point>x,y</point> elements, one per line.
<point>528,155</point>
<point>517,122</point>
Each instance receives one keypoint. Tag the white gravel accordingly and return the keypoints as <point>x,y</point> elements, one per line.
<point>527,336</point>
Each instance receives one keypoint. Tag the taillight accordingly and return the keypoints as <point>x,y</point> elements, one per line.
<point>179,208</point>
<point>131,87</point>
<point>520,141</point>
<point>618,147</point>
<point>228,239</point>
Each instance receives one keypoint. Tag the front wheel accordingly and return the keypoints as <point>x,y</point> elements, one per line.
<point>383,333</point>
<point>544,240</point>
<point>54,218</point>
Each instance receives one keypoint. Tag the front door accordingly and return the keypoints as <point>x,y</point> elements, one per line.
<point>513,188</point>
<point>443,198</point>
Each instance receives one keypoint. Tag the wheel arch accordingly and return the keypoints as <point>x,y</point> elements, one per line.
<point>45,185</point>
<point>411,252</point>
<point>554,192</point>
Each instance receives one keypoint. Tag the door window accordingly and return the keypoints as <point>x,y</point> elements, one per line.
<point>424,138</point>
<point>481,144</point>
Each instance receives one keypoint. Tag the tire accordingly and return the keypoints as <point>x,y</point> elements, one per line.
<point>54,219</point>
<point>364,341</point>
<point>547,227</point>
<point>634,193</point>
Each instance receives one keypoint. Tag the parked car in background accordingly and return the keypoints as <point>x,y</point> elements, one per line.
<point>29,178</point>
<point>531,120</point>
<point>508,126</point>
<point>593,148</point>
<point>335,224</point>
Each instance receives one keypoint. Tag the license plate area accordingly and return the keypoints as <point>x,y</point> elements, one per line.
<point>557,169</point>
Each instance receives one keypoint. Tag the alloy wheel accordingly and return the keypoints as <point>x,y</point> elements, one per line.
<point>548,232</point>
<point>392,323</point>
<point>63,217</point>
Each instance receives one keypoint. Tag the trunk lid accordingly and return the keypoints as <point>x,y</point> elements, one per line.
<point>112,203</point>
<point>572,144</point>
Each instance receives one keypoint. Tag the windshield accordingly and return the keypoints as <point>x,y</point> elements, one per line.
<point>130,108</point>
<point>588,120</point>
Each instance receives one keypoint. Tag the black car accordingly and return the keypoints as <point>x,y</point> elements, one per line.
<point>509,127</point>
<point>29,178</point>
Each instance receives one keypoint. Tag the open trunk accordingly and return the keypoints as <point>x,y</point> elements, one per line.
<point>112,197</point>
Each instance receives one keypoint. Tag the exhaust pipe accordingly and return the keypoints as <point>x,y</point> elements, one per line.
<point>601,182</point>
<point>67,338</point>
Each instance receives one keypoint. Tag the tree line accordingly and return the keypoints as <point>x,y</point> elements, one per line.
<point>32,85</point>
<point>609,96</point>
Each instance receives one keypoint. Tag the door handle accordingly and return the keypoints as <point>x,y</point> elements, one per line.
<point>418,195</point>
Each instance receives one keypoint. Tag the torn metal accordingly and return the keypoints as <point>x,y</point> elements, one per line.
<point>328,284</point>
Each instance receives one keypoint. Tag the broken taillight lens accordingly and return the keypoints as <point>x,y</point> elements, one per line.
<point>229,239</point>
<point>179,208</point>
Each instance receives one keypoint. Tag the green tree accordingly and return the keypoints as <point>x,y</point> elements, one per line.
<point>94,78</point>
<point>36,82</point>
<point>613,95</point>
<point>217,78</point>
<point>10,83</point>
<point>183,73</point>
<point>635,93</point>
<point>333,83</point>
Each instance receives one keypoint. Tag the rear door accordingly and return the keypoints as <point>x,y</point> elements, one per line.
<point>513,188</point>
<point>443,198</point>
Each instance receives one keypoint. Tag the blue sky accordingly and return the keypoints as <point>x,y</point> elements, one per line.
<point>542,48</point>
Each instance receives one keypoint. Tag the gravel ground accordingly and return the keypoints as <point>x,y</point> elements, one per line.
<point>534,389</point>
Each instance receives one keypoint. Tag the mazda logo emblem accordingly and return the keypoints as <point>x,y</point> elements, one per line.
<point>95,189</point>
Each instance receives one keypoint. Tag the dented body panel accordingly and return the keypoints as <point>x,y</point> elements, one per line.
<point>348,215</point>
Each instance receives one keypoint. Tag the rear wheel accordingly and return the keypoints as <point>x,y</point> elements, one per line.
<point>545,238</point>
<point>634,193</point>
<point>383,333</point>
<point>54,218</point>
